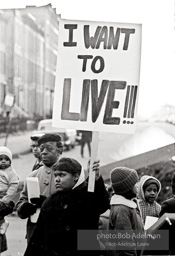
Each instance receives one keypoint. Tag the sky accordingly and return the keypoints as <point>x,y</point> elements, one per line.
<point>157,76</point>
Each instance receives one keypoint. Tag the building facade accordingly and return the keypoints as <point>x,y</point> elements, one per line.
<point>28,54</point>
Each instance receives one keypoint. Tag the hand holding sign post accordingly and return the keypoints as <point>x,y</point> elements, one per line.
<point>96,86</point>
<point>94,153</point>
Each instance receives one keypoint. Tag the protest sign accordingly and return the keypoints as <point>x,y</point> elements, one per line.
<point>97,77</point>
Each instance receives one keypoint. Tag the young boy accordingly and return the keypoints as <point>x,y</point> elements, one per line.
<point>9,181</point>
<point>124,215</point>
<point>69,209</point>
<point>149,188</point>
<point>36,152</point>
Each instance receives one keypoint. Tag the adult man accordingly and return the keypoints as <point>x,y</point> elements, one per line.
<point>36,151</point>
<point>86,138</point>
<point>51,148</point>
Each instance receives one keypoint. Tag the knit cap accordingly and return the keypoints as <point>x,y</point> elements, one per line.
<point>151,181</point>
<point>6,151</point>
<point>123,179</point>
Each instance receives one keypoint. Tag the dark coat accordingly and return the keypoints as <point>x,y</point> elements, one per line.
<point>62,214</point>
<point>168,206</point>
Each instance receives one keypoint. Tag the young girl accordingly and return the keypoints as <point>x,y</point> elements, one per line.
<point>149,189</point>
<point>124,214</point>
<point>70,209</point>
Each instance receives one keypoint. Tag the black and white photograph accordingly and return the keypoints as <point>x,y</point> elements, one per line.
<point>87,128</point>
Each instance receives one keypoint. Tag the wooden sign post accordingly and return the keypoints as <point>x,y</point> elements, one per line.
<point>94,153</point>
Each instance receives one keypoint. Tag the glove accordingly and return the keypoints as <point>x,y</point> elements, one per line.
<point>6,209</point>
<point>38,201</point>
<point>26,210</point>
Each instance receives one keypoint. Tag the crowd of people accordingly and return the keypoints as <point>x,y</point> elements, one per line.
<point>66,207</point>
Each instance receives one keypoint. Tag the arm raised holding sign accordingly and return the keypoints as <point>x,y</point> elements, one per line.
<point>67,211</point>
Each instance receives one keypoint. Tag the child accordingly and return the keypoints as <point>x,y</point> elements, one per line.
<point>124,215</point>
<point>9,181</point>
<point>149,188</point>
<point>36,152</point>
<point>69,209</point>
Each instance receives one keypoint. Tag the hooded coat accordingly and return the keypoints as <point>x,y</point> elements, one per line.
<point>63,214</point>
<point>146,208</point>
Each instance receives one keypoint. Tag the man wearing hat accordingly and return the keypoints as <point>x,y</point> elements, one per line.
<point>51,148</point>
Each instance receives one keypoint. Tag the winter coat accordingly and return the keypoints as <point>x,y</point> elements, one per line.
<point>148,209</point>
<point>47,187</point>
<point>9,182</point>
<point>168,206</point>
<point>62,215</point>
<point>124,216</point>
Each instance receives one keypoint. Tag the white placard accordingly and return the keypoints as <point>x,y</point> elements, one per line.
<point>33,190</point>
<point>150,220</point>
<point>97,77</point>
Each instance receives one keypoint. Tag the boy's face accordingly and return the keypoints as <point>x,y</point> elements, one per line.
<point>64,180</point>
<point>35,149</point>
<point>151,192</point>
<point>4,162</point>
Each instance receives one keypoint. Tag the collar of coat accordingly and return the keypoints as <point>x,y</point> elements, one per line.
<point>118,199</point>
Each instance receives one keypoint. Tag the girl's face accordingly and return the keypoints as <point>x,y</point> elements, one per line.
<point>64,180</point>
<point>4,162</point>
<point>151,193</point>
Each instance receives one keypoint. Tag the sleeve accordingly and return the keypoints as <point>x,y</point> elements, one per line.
<point>22,199</point>
<point>101,196</point>
<point>13,183</point>
<point>36,243</point>
<point>24,196</point>
<point>164,208</point>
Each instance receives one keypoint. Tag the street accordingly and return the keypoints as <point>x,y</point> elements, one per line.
<point>111,148</point>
